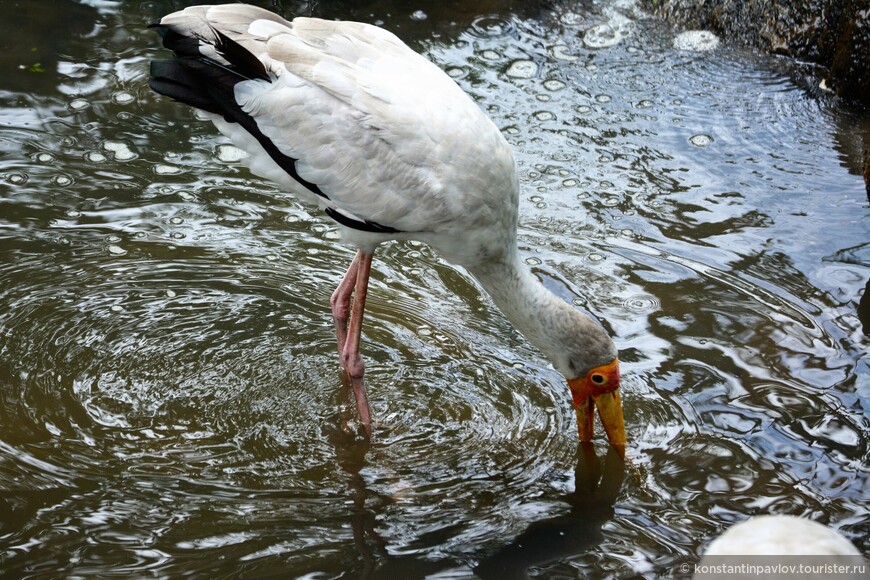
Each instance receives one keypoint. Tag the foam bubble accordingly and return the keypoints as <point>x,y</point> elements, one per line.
<point>696,40</point>
<point>121,150</point>
<point>700,140</point>
<point>524,69</point>
<point>162,169</point>
<point>123,97</point>
<point>560,52</point>
<point>229,153</point>
<point>608,34</point>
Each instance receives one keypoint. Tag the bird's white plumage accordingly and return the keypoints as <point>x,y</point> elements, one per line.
<point>781,536</point>
<point>385,134</point>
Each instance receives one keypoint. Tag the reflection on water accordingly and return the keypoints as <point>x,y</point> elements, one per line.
<point>171,401</point>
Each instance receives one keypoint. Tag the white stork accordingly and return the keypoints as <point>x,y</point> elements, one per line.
<point>347,117</point>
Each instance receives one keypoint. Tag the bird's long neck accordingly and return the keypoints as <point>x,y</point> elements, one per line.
<point>541,316</point>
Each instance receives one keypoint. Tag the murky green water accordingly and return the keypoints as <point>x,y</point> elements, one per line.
<point>170,399</point>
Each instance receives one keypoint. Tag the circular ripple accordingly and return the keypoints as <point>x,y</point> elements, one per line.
<point>491,26</point>
<point>642,303</point>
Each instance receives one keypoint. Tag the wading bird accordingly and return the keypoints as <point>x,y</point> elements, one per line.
<point>347,117</point>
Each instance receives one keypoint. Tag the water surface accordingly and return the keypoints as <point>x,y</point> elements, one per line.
<point>171,398</point>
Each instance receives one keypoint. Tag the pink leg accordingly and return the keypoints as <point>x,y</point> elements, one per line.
<point>340,302</point>
<point>355,283</point>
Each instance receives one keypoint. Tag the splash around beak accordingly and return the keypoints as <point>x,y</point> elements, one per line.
<point>601,387</point>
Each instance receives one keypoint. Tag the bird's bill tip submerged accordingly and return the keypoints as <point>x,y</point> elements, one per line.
<point>600,389</point>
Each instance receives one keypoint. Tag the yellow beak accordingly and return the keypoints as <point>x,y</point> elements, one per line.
<point>601,387</point>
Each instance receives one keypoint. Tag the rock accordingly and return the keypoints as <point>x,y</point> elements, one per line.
<point>832,33</point>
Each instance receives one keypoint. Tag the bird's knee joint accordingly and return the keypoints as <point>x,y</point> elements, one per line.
<point>353,364</point>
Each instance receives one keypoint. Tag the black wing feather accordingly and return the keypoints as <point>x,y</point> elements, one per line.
<point>204,83</point>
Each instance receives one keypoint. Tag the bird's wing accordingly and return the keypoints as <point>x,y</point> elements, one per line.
<point>344,110</point>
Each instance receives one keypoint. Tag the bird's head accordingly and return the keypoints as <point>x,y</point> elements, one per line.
<point>588,359</point>
<point>599,386</point>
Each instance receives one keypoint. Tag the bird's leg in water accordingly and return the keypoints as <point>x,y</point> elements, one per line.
<point>351,359</point>
<point>340,303</point>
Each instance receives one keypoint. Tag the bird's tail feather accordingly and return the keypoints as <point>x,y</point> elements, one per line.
<point>204,82</point>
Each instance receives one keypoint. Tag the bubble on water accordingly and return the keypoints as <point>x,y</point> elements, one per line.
<point>603,98</point>
<point>522,69</point>
<point>123,97</point>
<point>533,261</point>
<point>644,104</point>
<point>595,257</point>
<point>554,85</point>
<point>116,250</point>
<point>584,109</point>
<point>79,104</point>
<point>544,116</point>
<point>17,178</point>
<point>116,308</point>
<point>62,180</point>
<point>641,303</point>
<point>455,72</point>
<point>186,196</point>
<point>332,235</point>
<point>569,182</point>
<point>163,169</point>
<point>175,220</point>
<point>229,153</point>
<point>72,213</point>
<point>45,157</point>
<point>608,34</point>
<point>560,52</point>
<point>120,150</point>
<point>490,55</point>
<point>95,157</point>
<point>177,236</point>
<point>696,41</point>
<point>700,140</point>
<point>419,15</point>
<point>571,18</point>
